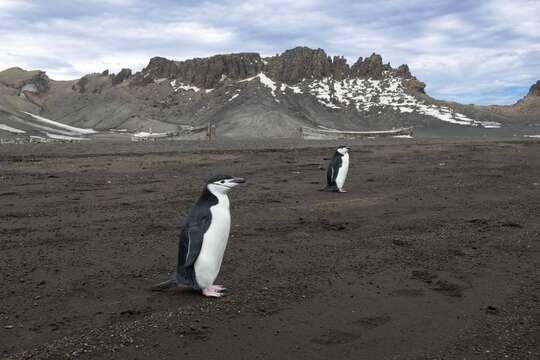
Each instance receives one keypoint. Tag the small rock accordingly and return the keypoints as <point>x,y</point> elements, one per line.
<point>401,243</point>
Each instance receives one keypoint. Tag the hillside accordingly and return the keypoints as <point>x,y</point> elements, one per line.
<point>245,96</point>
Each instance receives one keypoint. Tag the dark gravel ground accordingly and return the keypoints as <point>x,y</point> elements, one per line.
<point>432,254</point>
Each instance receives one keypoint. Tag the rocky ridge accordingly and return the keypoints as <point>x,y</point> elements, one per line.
<point>243,95</point>
<point>290,67</point>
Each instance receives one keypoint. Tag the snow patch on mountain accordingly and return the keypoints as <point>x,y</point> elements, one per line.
<point>265,80</point>
<point>11,129</point>
<point>368,94</point>
<point>65,137</point>
<point>178,85</point>
<point>74,130</point>
<point>295,89</point>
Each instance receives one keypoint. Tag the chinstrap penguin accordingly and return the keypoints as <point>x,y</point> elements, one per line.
<point>203,239</point>
<point>336,174</point>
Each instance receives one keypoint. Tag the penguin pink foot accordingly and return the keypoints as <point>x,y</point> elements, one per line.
<point>217,287</point>
<point>214,291</point>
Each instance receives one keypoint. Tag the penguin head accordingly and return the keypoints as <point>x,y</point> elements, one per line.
<point>223,183</point>
<point>342,150</point>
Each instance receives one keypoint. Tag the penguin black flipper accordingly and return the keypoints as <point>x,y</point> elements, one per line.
<point>191,239</point>
<point>332,173</point>
<point>190,244</point>
<point>192,234</point>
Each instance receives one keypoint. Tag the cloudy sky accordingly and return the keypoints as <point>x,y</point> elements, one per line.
<point>471,51</point>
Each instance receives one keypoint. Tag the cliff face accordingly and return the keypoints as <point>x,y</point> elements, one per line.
<point>290,67</point>
<point>304,63</point>
<point>206,72</point>
<point>534,91</point>
<point>370,67</point>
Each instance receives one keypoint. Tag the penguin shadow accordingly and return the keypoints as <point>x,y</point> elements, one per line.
<point>183,291</point>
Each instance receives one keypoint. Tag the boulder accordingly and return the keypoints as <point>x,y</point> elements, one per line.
<point>370,67</point>
<point>121,76</point>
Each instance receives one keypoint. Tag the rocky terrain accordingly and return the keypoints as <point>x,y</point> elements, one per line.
<point>433,253</point>
<point>247,96</point>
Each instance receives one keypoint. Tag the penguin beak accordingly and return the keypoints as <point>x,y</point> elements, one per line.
<point>238,180</point>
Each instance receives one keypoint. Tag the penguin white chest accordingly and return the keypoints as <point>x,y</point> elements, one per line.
<point>342,172</point>
<point>214,243</point>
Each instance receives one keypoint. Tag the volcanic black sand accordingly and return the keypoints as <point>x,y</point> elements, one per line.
<point>432,254</point>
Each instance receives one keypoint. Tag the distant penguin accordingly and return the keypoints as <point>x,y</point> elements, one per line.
<point>204,238</point>
<point>336,174</point>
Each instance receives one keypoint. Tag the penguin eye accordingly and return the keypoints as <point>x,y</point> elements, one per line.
<point>222,181</point>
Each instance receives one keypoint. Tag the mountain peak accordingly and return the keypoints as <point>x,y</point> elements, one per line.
<point>25,80</point>
<point>290,67</point>
<point>299,63</point>
<point>535,89</point>
<point>371,66</point>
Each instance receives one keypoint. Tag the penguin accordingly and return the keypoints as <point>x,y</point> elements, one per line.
<point>336,174</point>
<point>203,239</point>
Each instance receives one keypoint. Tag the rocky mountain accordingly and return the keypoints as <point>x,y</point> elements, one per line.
<point>243,95</point>
<point>534,90</point>
<point>525,111</point>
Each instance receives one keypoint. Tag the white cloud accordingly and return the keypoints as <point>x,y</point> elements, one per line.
<point>89,44</point>
<point>12,4</point>
<point>519,16</point>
